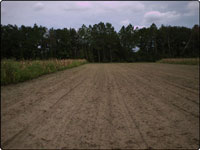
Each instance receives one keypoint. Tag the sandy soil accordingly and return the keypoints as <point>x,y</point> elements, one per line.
<point>104,106</point>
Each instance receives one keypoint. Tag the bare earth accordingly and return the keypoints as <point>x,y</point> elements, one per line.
<point>142,105</point>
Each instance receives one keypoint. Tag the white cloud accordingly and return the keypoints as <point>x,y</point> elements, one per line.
<point>38,6</point>
<point>60,14</point>
<point>137,7</point>
<point>193,5</point>
<point>78,6</point>
<point>158,17</point>
<point>125,22</point>
<point>192,8</point>
<point>104,6</point>
<point>3,11</point>
<point>121,6</point>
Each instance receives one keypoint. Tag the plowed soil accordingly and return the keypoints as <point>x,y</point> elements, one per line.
<point>103,106</point>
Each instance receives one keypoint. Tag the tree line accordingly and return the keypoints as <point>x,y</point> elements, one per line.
<point>99,43</point>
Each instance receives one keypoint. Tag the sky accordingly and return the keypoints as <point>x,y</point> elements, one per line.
<point>73,14</point>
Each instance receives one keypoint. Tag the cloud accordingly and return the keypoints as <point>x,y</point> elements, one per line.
<point>78,6</point>
<point>104,6</point>
<point>125,22</point>
<point>137,7</point>
<point>192,8</point>
<point>158,17</point>
<point>193,5</point>
<point>3,11</point>
<point>84,4</point>
<point>38,6</point>
<point>60,14</point>
<point>122,6</point>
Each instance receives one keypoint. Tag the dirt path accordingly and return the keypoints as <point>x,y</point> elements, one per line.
<point>104,106</point>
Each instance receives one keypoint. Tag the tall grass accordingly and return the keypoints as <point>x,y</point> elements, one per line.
<point>184,61</point>
<point>17,71</point>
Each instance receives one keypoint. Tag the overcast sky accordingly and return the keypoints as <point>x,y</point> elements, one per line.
<point>62,14</point>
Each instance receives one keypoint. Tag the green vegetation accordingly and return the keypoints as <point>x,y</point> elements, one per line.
<point>184,61</point>
<point>17,71</point>
<point>100,43</point>
<point>39,50</point>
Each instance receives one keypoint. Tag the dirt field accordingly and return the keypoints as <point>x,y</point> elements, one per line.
<point>104,106</point>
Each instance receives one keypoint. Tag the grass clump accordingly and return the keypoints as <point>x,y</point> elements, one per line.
<point>184,61</point>
<point>18,71</point>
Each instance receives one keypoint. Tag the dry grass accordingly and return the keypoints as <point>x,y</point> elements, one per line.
<point>17,71</point>
<point>185,61</point>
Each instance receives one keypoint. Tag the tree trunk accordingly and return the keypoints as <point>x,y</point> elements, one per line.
<point>93,53</point>
<point>75,53</point>
<point>98,55</point>
<point>147,49</point>
<point>187,43</point>
<point>169,47</point>
<point>86,52</point>
<point>103,54</point>
<point>110,56</point>
<point>156,50</point>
